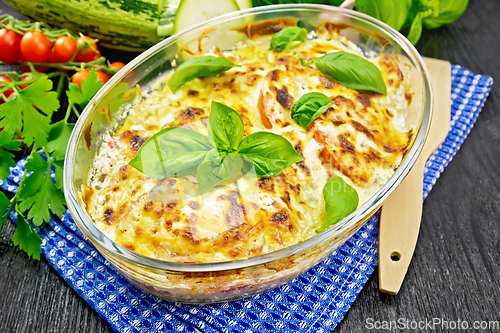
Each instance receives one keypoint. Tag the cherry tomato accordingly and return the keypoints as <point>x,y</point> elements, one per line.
<point>40,69</point>
<point>35,46</point>
<point>11,95</point>
<point>10,45</point>
<point>2,85</point>
<point>117,65</point>
<point>64,48</point>
<point>97,55</point>
<point>102,76</point>
<point>89,54</point>
<point>78,77</point>
<point>54,59</point>
<point>26,78</point>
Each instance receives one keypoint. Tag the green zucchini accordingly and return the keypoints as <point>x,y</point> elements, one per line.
<point>166,22</point>
<point>195,12</point>
<point>192,12</point>
<point>121,24</point>
<point>244,4</point>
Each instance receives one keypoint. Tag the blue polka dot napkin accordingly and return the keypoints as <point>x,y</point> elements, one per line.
<point>316,301</point>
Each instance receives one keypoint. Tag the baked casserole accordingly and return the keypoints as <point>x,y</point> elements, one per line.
<point>361,137</point>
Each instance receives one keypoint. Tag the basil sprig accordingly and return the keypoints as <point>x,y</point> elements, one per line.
<point>392,12</point>
<point>218,171</point>
<point>284,37</point>
<point>352,71</point>
<point>309,107</point>
<point>198,67</point>
<point>269,153</point>
<point>225,127</point>
<point>341,200</point>
<point>174,151</point>
<point>218,158</point>
<point>414,14</point>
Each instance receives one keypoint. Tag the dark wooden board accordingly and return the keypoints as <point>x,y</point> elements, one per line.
<point>455,272</point>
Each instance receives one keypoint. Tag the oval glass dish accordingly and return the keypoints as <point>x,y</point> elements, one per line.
<point>202,283</point>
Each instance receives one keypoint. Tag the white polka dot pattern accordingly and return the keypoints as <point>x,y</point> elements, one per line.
<point>316,301</point>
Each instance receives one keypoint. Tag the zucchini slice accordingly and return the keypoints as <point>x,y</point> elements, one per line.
<point>166,21</point>
<point>244,4</point>
<point>192,12</point>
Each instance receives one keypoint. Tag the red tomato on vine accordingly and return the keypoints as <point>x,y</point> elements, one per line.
<point>64,48</point>
<point>78,77</point>
<point>35,46</point>
<point>102,76</point>
<point>10,44</point>
<point>89,54</point>
<point>3,80</point>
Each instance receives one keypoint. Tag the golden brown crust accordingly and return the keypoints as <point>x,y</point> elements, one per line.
<point>356,138</point>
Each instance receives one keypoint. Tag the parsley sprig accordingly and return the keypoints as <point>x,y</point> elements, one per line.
<point>26,119</point>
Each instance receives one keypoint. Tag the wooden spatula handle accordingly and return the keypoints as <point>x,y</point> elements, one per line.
<point>398,239</point>
<point>402,211</point>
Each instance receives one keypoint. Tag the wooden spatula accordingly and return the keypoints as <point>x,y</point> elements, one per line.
<point>402,211</point>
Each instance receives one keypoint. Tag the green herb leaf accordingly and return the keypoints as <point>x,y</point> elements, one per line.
<point>38,167</point>
<point>172,151</point>
<point>4,203</point>
<point>58,174</point>
<point>7,158</point>
<point>352,71</point>
<point>58,139</point>
<point>335,2</point>
<point>392,12</point>
<point>178,151</point>
<point>309,107</point>
<point>225,127</point>
<point>415,29</point>
<point>20,114</point>
<point>448,12</point>
<point>284,37</point>
<point>306,25</point>
<point>198,67</point>
<point>39,194</point>
<point>26,238</point>
<point>89,87</point>
<point>270,153</point>
<point>217,171</point>
<point>340,201</point>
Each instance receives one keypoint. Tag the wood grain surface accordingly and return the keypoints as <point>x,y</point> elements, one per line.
<point>401,213</point>
<point>455,271</point>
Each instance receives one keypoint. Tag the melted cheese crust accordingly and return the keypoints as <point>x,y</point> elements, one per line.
<point>362,138</point>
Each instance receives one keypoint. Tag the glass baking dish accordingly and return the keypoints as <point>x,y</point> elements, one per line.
<point>202,283</point>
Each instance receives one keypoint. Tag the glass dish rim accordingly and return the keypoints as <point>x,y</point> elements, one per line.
<point>132,258</point>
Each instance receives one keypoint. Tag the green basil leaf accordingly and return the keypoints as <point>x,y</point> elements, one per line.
<point>282,38</point>
<point>414,8</point>
<point>217,171</point>
<point>309,107</point>
<point>415,29</point>
<point>306,25</point>
<point>225,127</point>
<point>392,12</point>
<point>269,153</point>
<point>352,71</point>
<point>340,201</point>
<point>448,12</point>
<point>198,67</point>
<point>335,2</point>
<point>174,151</point>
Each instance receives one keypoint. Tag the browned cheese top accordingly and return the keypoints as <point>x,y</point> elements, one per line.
<point>362,137</point>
